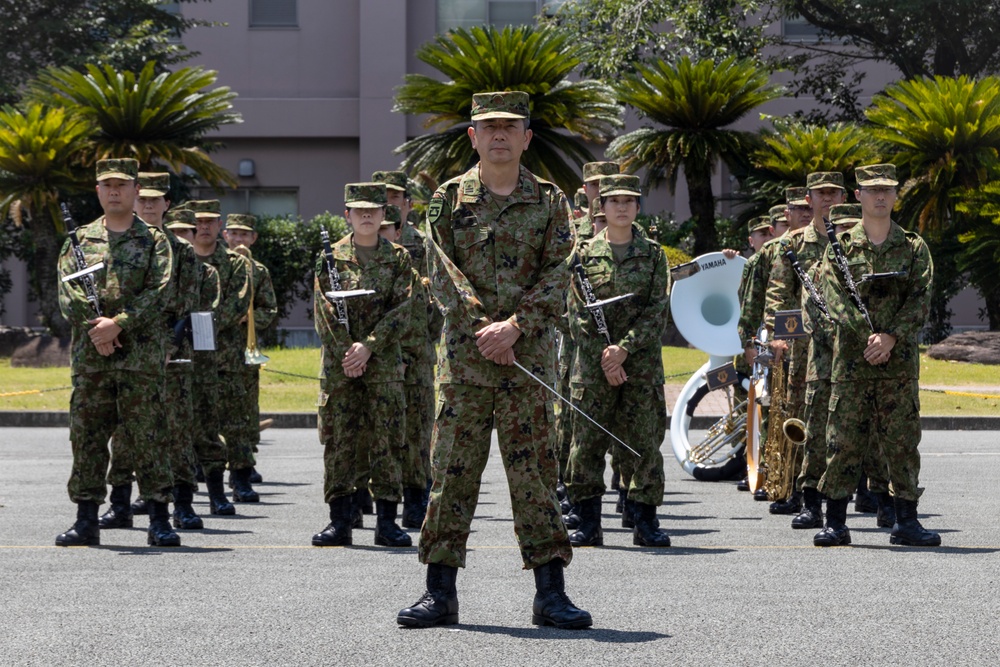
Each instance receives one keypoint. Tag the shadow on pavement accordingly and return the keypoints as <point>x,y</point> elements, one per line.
<point>159,551</point>
<point>590,634</point>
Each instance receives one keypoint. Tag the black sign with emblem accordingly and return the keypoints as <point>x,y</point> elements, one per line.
<point>788,324</point>
<point>723,376</point>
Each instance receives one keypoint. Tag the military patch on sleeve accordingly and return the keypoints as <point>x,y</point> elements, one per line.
<point>435,209</point>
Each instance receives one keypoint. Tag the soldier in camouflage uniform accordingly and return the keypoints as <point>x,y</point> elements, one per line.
<point>592,173</point>
<point>620,385</point>
<point>580,204</point>
<point>241,230</point>
<point>874,399</point>
<point>499,238</point>
<point>361,403</point>
<point>118,356</point>
<point>418,350</point>
<point>220,389</point>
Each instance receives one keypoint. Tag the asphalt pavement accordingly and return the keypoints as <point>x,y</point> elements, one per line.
<point>739,587</point>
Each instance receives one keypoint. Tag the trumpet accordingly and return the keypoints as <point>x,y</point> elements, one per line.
<point>251,354</point>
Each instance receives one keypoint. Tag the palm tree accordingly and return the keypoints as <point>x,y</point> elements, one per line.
<point>41,156</point>
<point>151,117</point>
<point>793,150</point>
<point>945,133</point>
<point>564,113</point>
<point>696,102</point>
<point>980,252</point>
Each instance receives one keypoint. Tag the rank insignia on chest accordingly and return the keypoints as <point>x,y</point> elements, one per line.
<point>723,376</point>
<point>788,324</point>
<point>434,209</point>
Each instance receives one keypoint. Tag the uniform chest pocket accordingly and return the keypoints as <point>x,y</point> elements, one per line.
<point>533,237</point>
<point>858,267</point>
<point>471,235</point>
<point>600,277</point>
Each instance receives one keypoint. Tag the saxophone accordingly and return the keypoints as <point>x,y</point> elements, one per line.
<point>784,437</point>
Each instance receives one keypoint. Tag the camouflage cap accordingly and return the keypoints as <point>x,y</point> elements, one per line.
<point>876,174</point>
<point>241,221</point>
<point>394,180</point>
<point>825,179</point>
<point>580,199</point>
<point>757,223</point>
<point>500,104</point>
<point>620,184</point>
<point>365,195</point>
<point>154,184</point>
<point>393,216</point>
<point>205,208</point>
<point>592,171</point>
<point>777,214</point>
<point>180,218</point>
<point>845,214</point>
<point>796,196</point>
<point>124,168</point>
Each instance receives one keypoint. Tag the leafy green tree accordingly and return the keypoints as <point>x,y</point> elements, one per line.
<point>152,117</point>
<point>124,34</point>
<point>41,154</point>
<point>565,113</point>
<point>980,255</point>
<point>945,136</point>
<point>696,103</point>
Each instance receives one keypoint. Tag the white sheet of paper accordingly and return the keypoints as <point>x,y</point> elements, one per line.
<point>204,332</point>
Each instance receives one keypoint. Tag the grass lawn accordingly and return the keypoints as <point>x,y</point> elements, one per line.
<point>281,393</point>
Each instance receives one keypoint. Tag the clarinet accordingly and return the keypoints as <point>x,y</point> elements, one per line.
<point>331,270</point>
<point>845,272</point>
<point>89,286</point>
<point>588,293</point>
<point>807,282</point>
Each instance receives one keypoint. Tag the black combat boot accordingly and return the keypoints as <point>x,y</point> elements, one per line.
<point>184,515</point>
<point>357,508</point>
<point>552,606</point>
<point>438,605</point>
<point>589,533</point>
<point>743,484</point>
<point>628,514</point>
<point>865,502</point>
<point>811,515</point>
<point>620,503</point>
<point>413,507</point>
<point>217,501</point>
<point>86,532</point>
<point>338,533</point>
<point>242,491</point>
<point>387,533</point>
<point>119,515</point>
<point>790,506</point>
<point>571,519</point>
<point>836,533</point>
<point>140,506</point>
<point>255,477</point>
<point>908,530</point>
<point>760,495</point>
<point>886,515</point>
<point>647,532</point>
<point>160,533</point>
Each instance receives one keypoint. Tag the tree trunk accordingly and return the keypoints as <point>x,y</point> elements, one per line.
<point>702,203</point>
<point>43,274</point>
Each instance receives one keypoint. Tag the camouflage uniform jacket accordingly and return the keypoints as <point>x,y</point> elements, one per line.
<point>413,240</point>
<point>234,301</point>
<point>265,303</point>
<point>897,306</point>
<point>753,290</point>
<point>379,321</point>
<point>132,288</point>
<point>634,324</point>
<point>183,290</point>
<point>418,343</point>
<point>786,292</point>
<point>493,261</point>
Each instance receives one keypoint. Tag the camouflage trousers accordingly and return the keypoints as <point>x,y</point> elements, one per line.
<point>361,426</point>
<point>817,411</point>
<point>179,441</point>
<point>564,417</point>
<point>209,449</point>
<point>460,447</point>
<point>99,405</point>
<point>415,454</point>
<point>881,417</point>
<point>235,425</point>
<point>253,405</point>
<point>635,413</point>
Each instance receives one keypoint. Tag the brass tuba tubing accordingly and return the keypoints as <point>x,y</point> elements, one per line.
<point>251,355</point>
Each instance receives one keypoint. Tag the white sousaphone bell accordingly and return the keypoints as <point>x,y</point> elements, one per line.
<point>705,306</point>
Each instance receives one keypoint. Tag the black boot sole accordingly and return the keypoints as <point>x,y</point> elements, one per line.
<point>340,543</point>
<point>115,523</point>
<point>639,542</point>
<point>157,542</point>
<point>538,619</point>
<point>91,542</point>
<point>905,542</point>
<point>410,622</point>
<point>246,499</point>
<point>846,541</point>
<point>188,524</point>
<point>384,542</point>
<point>224,510</point>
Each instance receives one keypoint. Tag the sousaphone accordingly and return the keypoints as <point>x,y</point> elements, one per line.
<point>704,302</point>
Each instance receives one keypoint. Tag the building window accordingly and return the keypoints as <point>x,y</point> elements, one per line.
<point>470,13</point>
<point>797,29</point>
<point>274,14</point>
<point>258,201</point>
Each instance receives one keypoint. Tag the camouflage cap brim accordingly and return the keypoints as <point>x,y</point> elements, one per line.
<point>621,191</point>
<point>363,204</point>
<point>150,192</point>
<point>115,174</point>
<point>177,224</point>
<point>239,226</point>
